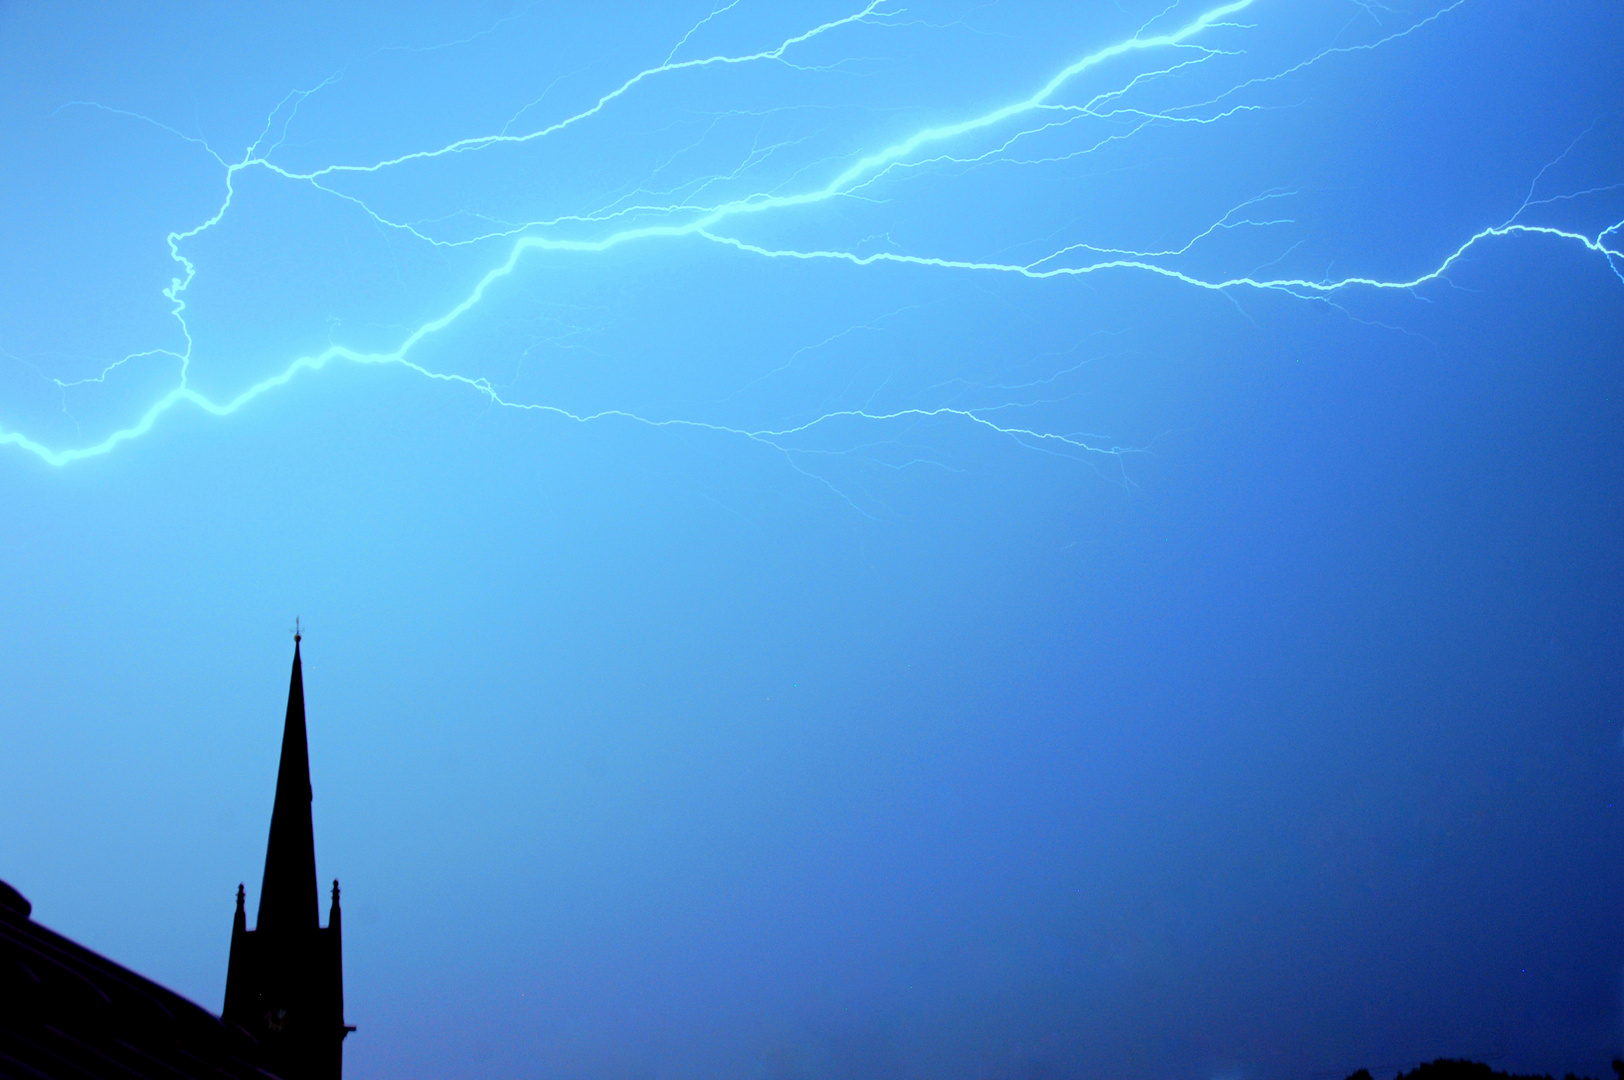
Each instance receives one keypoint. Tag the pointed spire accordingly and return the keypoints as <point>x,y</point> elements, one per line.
<point>288,898</point>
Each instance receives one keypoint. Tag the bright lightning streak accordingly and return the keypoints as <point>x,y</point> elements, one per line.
<point>716,223</point>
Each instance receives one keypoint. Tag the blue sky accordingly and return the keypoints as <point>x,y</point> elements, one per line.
<point>937,556</point>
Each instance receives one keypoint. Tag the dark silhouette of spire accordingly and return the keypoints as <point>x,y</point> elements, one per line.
<point>285,981</point>
<point>289,898</point>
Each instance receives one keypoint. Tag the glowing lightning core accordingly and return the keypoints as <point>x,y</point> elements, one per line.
<point>1039,111</point>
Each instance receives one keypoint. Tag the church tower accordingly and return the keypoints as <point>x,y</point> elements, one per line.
<point>285,980</point>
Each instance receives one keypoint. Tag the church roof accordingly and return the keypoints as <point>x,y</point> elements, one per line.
<point>67,1013</point>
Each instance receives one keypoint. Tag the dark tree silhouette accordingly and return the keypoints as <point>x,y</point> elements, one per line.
<point>1451,1069</point>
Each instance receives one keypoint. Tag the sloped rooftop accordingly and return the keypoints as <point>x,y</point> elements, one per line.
<point>67,1013</point>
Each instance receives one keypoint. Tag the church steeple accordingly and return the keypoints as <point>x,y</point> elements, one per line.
<point>289,897</point>
<point>285,980</point>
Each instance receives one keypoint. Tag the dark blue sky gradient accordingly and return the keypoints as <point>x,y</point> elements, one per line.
<point>1287,743</point>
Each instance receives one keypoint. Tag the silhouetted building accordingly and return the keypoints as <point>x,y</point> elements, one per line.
<point>285,981</point>
<point>67,1012</point>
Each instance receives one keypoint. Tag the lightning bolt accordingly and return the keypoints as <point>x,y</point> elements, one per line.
<point>641,218</point>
